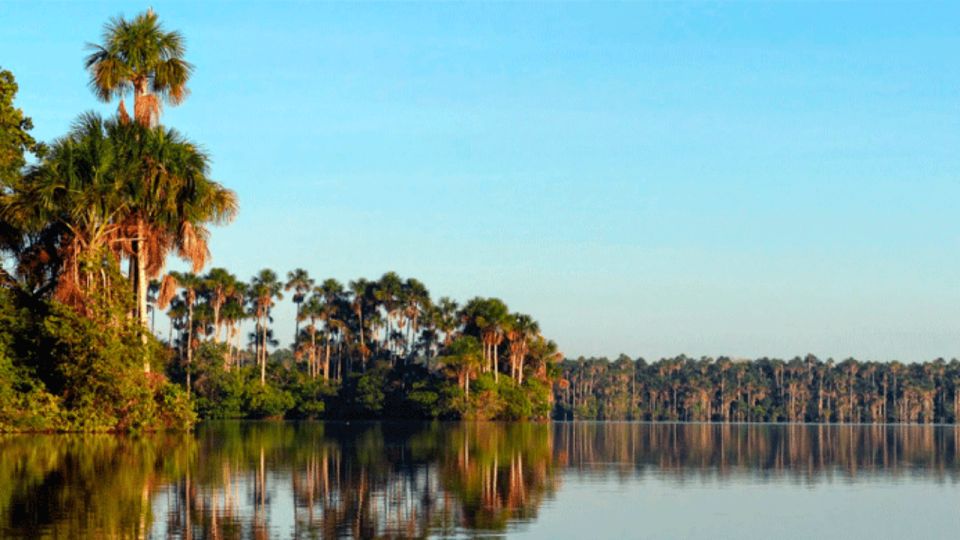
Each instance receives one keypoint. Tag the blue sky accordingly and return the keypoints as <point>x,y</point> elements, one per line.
<point>650,178</point>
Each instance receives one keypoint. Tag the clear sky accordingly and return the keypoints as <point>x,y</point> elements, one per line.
<point>735,178</point>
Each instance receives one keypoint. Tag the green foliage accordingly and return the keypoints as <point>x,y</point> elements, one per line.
<point>60,370</point>
<point>71,355</point>
<point>218,393</point>
<point>516,403</point>
<point>103,386</point>
<point>363,394</point>
<point>424,400</point>
<point>25,405</point>
<point>267,401</point>
<point>15,139</point>
<point>310,396</point>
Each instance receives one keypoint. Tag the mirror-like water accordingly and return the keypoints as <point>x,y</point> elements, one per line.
<point>593,480</point>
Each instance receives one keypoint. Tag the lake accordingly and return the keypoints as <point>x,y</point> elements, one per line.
<point>561,480</point>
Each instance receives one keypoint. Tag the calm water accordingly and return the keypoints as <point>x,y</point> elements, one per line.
<point>580,480</point>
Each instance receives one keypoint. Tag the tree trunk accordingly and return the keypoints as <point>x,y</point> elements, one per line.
<point>140,288</point>
<point>313,351</point>
<point>296,331</point>
<point>326,361</point>
<point>189,346</point>
<point>263,354</point>
<point>216,323</point>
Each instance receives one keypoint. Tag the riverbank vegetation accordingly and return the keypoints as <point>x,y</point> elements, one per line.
<point>112,194</point>
<point>371,349</point>
<point>88,224</point>
<point>764,390</point>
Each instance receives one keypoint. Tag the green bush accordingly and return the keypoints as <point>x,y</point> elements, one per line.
<point>267,401</point>
<point>310,397</point>
<point>515,402</point>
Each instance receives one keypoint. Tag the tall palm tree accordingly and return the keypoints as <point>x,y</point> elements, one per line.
<point>486,317</point>
<point>416,302</point>
<point>231,315</point>
<point>312,311</point>
<point>264,290</point>
<point>464,356</point>
<point>335,313</point>
<point>169,201</point>
<point>300,282</point>
<point>447,318</point>
<point>520,330</point>
<point>169,197</point>
<point>191,284</point>
<point>388,291</point>
<point>361,290</point>
<point>138,56</point>
<point>219,286</point>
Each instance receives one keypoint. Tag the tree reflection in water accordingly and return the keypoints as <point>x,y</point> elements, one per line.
<point>314,480</point>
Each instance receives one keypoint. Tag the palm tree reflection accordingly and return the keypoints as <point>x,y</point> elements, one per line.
<point>261,480</point>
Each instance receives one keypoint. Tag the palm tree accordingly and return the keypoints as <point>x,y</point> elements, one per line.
<point>416,301</point>
<point>447,319</point>
<point>231,314</point>
<point>485,318</point>
<point>388,291</point>
<point>334,312</point>
<point>191,285</point>
<point>312,311</point>
<point>520,329</point>
<point>218,287</point>
<point>361,290</point>
<point>264,289</point>
<point>463,356</point>
<point>139,56</point>
<point>301,283</point>
<point>169,197</point>
<point>70,205</point>
<point>169,200</point>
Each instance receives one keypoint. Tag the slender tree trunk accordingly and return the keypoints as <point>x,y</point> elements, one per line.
<point>313,351</point>
<point>326,360</point>
<point>263,354</point>
<point>256,341</point>
<point>296,331</point>
<point>139,279</point>
<point>362,355</point>
<point>189,346</point>
<point>216,323</point>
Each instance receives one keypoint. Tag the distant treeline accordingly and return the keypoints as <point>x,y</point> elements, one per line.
<point>764,390</point>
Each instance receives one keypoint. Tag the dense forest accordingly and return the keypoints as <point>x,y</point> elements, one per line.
<point>372,349</point>
<point>88,223</point>
<point>765,390</point>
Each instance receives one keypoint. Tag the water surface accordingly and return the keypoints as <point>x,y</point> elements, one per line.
<point>564,480</point>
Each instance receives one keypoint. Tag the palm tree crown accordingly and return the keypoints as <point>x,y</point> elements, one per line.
<point>139,56</point>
